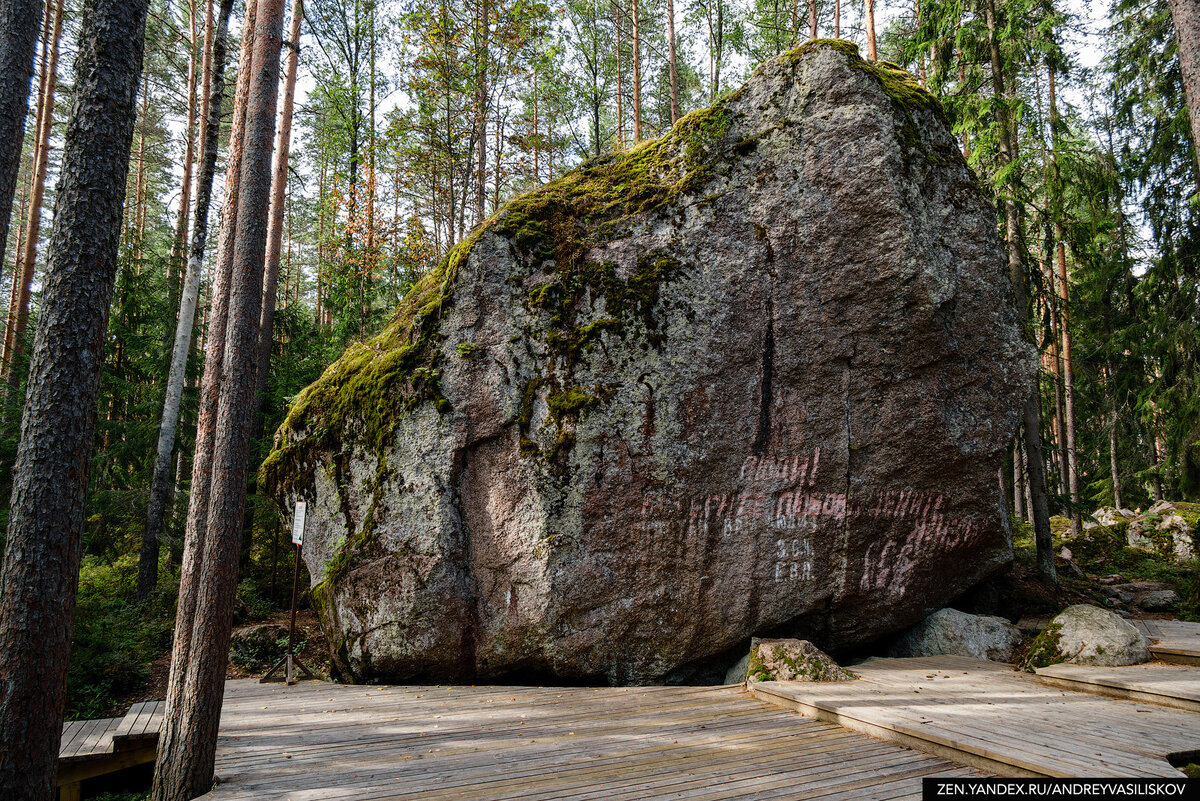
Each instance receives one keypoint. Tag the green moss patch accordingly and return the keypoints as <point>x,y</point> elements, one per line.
<point>360,397</point>
<point>1043,650</point>
<point>593,203</point>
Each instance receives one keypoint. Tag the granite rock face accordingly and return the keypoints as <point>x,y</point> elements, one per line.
<point>949,631</point>
<point>1088,635</point>
<point>754,377</point>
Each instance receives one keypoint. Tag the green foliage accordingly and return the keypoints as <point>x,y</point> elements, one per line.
<point>114,640</point>
<point>1043,651</point>
<point>255,656</point>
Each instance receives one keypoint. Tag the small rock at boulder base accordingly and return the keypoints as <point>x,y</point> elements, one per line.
<point>792,660</point>
<point>758,375</point>
<point>737,673</point>
<point>949,631</point>
<point>1157,600</point>
<point>1089,635</point>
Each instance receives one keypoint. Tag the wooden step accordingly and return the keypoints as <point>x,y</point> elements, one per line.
<point>1170,685</point>
<point>994,718</point>
<point>1173,641</point>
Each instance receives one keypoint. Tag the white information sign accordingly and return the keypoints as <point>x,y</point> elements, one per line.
<point>298,523</point>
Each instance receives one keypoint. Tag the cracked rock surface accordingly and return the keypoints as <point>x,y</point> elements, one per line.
<point>755,378</point>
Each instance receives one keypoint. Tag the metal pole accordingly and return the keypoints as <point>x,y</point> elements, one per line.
<point>289,672</point>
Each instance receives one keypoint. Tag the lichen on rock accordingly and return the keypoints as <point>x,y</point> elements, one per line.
<point>792,660</point>
<point>757,375</point>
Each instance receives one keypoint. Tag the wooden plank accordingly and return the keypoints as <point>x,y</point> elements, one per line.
<point>96,739</point>
<point>941,704</point>
<point>133,721</point>
<point>70,733</point>
<point>511,766</point>
<point>1176,686</point>
<point>82,741</point>
<point>1172,641</point>
<point>606,744</point>
<point>526,743</point>
<point>1071,756</point>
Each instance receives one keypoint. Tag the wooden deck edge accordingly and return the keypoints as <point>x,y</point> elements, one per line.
<point>71,771</point>
<point>900,735</point>
<point>1175,656</point>
<point>1125,693</point>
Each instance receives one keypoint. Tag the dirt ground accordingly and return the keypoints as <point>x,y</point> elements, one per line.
<point>314,655</point>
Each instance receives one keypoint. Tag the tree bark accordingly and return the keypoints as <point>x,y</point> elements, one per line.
<point>179,244</point>
<point>837,19</point>
<point>187,769</point>
<point>812,19</point>
<point>187,747</point>
<point>1032,412</point>
<point>215,45</point>
<point>139,195</point>
<point>617,11</point>
<point>40,572</point>
<point>26,190</point>
<point>275,222</point>
<point>14,329</point>
<point>869,21</point>
<point>637,72</point>
<point>1018,481</point>
<point>1114,420</point>
<point>18,40</point>
<point>1186,16</point>
<point>671,63</point>
<point>1068,370</point>
<point>171,750</point>
<point>481,102</point>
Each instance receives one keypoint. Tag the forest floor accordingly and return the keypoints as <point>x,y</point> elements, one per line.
<point>313,652</point>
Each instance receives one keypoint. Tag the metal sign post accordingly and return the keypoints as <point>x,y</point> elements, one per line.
<point>291,661</point>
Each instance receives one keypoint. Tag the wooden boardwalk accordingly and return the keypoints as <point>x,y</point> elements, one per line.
<point>1154,682</point>
<point>92,748</point>
<point>990,716</point>
<point>1172,640</point>
<point>326,741</point>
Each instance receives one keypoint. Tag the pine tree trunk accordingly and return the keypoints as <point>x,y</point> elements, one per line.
<point>27,186</point>
<point>481,102</point>
<point>18,41</point>
<point>617,11</point>
<point>179,244</point>
<point>177,782</point>
<point>1032,413</point>
<point>537,167</point>
<point>869,21</point>
<point>1018,481</point>
<point>637,72</point>
<point>837,19</point>
<point>275,222</point>
<point>188,742</point>
<point>671,63</point>
<point>1068,369</point>
<point>139,196</point>
<point>14,330</point>
<point>41,561</point>
<point>1186,16</point>
<point>215,45</point>
<point>812,19</point>
<point>18,248</point>
<point>1027,485</point>
<point>1114,420</point>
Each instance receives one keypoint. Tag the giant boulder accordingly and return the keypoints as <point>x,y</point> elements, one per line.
<point>754,377</point>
